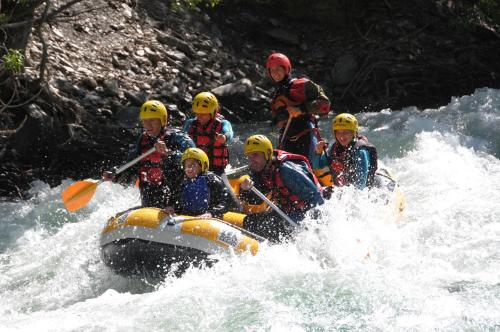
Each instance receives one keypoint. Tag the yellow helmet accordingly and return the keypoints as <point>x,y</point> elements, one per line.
<point>259,143</point>
<point>154,109</point>
<point>345,121</point>
<point>205,103</point>
<point>198,154</point>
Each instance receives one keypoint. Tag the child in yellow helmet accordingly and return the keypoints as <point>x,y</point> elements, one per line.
<point>201,193</point>
<point>159,172</point>
<point>351,158</point>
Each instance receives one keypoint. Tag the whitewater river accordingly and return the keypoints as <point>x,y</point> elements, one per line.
<point>438,269</point>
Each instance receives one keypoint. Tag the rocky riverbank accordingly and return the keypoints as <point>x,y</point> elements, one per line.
<point>107,57</point>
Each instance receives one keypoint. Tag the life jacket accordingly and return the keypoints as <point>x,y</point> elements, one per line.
<point>343,165</point>
<point>151,167</point>
<point>274,182</point>
<point>293,93</point>
<point>195,195</point>
<point>324,175</point>
<point>205,138</point>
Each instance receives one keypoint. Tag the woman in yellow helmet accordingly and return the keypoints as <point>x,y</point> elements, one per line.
<point>210,131</point>
<point>351,158</point>
<point>201,193</point>
<point>159,172</point>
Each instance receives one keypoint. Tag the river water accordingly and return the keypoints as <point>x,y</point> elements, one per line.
<point>437,269</point>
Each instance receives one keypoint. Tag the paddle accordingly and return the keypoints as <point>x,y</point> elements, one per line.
<point>80,193</point>
<point>274,207</point>
<point>233,195</point>
<point>285,132</point>
<point>237,172</point>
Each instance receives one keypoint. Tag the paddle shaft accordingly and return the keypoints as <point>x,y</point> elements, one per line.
<point>280,146</point>
<point>237,172</point>
<point>275,208</point>
<point>135,160</point>
<point>233,195</point>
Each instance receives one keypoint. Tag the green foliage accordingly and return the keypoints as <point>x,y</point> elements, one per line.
<point>178,5</point>
<point>13,60</point>
<point>3,18</point>
<point>23,2</point>
<point>473,12</point>
<point>489,11</point>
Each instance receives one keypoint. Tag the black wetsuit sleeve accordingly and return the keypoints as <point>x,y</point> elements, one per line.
<point>221,200</point>
<point>177,143</point>
<point>174,199</point>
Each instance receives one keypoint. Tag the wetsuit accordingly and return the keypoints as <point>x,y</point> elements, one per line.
<point>158,174</point>
<point>355,164</point>
<point>303,132</point>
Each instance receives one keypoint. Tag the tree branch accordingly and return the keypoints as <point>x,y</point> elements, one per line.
<point>39,20</point>
<point>43,62</point>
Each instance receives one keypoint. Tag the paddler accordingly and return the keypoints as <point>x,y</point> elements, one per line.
<point>201,193</point>
<point>287,177</point>
<point>352,159</point>
<point>159,172</point>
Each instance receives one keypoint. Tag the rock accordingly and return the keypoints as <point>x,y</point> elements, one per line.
<point>179,56</point>
<point>127,116</point>
<point>93,100</point>
<point>67,69</point>
<point>154,58</point>
<point>177,43</point>
<point>111,87</point>
<point>284,36</point>
<point>89,83</point>
<point>137,98</point>
<point>127,11</point>
<point>121,54</point>
<point>58,34</point>
<point>241,88</point>
<point>344,69</point>
<point>85,71</point>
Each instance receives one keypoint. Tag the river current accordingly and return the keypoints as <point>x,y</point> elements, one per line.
<point>437,269</point>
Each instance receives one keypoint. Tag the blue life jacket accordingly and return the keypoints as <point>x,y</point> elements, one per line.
<point>195,195</point>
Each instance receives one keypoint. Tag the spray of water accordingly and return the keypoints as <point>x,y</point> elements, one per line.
<point>434,269</point>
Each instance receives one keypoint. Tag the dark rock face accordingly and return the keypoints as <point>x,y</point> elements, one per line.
<point>122,53</point>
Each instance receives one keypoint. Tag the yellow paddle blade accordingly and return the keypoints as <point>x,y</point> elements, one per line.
<point>79,194</point>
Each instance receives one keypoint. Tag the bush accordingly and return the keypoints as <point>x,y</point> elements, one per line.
<point>13,60</point>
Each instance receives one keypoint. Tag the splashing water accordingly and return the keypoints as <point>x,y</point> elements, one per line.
<point>436,269</point>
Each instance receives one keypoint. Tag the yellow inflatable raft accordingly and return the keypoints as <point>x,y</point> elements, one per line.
<point>384,179</point>
<point>146,241</point>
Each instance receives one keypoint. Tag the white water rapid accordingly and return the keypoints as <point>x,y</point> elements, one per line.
<point>438,269</point>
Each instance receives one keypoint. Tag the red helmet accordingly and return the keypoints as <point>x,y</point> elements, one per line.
<point>279,59</point>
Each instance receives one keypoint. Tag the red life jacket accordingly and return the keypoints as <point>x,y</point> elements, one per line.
<point>151,167</point>
<point>205,138</point>
<point>293,93</point>
<point>343,164</point>
<point>274,182</point>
